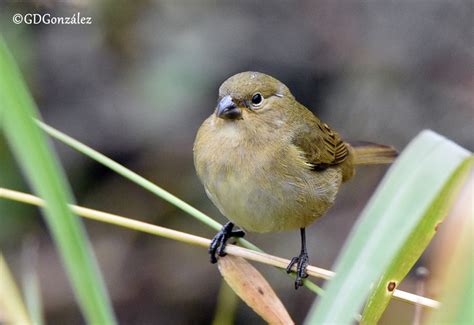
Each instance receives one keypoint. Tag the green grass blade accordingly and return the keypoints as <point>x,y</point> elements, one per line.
<point>415,245</point>
<point>43,171</point>
<point>409,189</point>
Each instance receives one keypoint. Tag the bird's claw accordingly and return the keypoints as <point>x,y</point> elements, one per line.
<point>219,241</point>
<point>301,262</point>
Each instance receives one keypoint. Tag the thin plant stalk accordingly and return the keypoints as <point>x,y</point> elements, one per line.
<point>199,241</point>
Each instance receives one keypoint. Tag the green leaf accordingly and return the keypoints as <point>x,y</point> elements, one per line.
<point>43,171</point>
<point>414,246</point>
<point>404,197</point>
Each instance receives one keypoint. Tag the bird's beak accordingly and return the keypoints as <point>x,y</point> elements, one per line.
<point>228,110</point>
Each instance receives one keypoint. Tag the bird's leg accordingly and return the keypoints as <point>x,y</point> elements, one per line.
<point>301,262</point>
<point>220,239</point>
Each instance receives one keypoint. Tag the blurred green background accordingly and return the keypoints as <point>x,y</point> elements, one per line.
<point>137,83</point>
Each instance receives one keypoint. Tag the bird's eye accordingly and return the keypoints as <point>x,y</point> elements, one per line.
<point>257,99</point>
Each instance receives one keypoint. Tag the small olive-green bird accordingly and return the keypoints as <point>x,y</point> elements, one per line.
<point>269,164</point>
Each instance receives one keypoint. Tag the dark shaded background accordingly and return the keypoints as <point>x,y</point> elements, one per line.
<point>138,82</point>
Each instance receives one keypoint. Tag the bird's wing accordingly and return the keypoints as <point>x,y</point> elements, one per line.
<point>321,145</point>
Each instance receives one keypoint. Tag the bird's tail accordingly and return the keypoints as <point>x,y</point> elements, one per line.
<point>367,153</point>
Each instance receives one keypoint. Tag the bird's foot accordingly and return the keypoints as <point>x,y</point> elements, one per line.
<point>220,240</point>
<point>301,262</point>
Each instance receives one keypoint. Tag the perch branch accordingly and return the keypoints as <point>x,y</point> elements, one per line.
<point>199,241</point>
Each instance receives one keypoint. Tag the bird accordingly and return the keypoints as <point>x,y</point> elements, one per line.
<point>269,164</point>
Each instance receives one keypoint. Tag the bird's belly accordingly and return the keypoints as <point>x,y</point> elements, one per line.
<point>258,202</point>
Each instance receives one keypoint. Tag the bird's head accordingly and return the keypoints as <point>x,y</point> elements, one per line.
<point>248,95</point>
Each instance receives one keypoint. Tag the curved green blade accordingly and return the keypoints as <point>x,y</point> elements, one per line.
<point>414,246</point>
<point>42,169</point>
<point>398,206</point>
